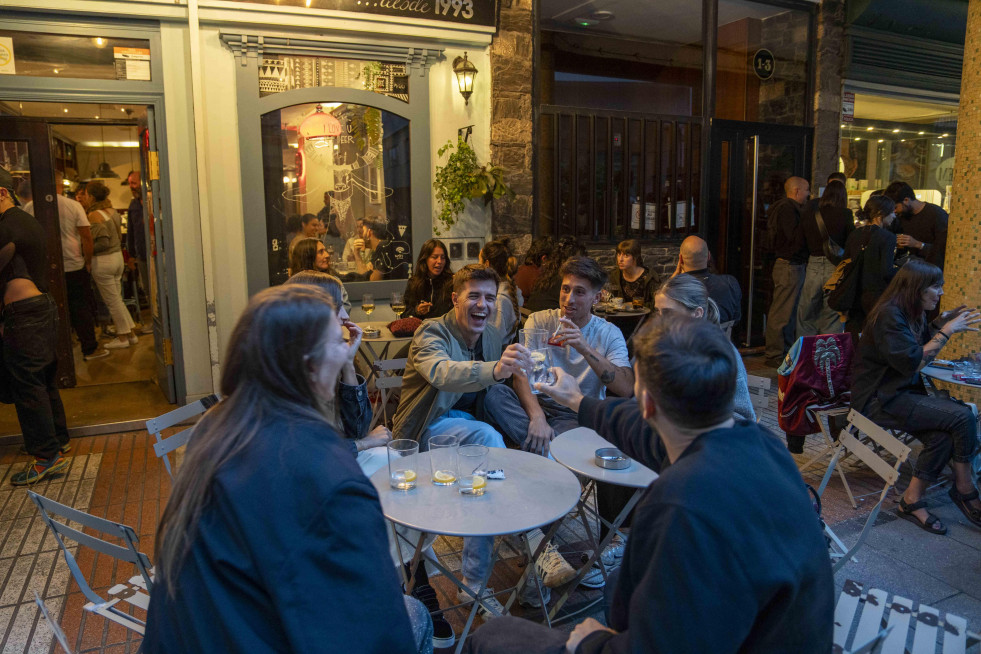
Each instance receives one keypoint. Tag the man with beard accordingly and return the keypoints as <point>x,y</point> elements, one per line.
<point>453,360</point>
<point>786,242</point>
<point>921,227</point>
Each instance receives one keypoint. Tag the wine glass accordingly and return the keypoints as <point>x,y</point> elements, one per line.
<point>398,304</point>
<point>367,303</point>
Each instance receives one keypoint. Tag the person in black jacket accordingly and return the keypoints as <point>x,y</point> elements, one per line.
<point>898,343</point>
<point>271,530</point>
<point>762,580</point>
<point>878,258</point>
<point>427,293</point>
<point>814,316</point>
<point>786,241</point>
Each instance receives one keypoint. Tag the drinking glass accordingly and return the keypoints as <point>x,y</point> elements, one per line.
<point>443,459</point>
<point>402,462</point>
<point>638,302</point>
<point>473,463</point>
<point>541,371</point>
<point>398,304</point>
<point>533,339</point>
<point>617,303</point>
<point>368,303</point>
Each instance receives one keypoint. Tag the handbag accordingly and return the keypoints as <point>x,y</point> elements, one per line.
<point>832,251</point>
<point>841,289</point>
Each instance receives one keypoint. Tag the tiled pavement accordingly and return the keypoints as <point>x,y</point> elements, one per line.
<point>118,477</point>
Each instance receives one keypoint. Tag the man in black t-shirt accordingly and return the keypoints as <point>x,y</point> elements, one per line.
<point>787,243</point>
<point>723,289</point>
<point>921,227</point>
<point>28,361</point>
<point>390,259</point>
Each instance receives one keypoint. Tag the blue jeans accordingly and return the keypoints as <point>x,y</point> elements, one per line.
<point>814,316</point>
<point>504,408</point>
<point>477,552</point>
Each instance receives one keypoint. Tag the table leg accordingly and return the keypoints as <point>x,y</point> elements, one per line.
<point>416,556</point>
<point>598,547</point>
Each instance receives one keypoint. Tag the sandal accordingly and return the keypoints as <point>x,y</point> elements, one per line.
<point>961,501</point>
<point>932,524</point>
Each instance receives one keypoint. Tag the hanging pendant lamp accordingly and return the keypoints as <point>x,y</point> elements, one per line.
<point>104,171</point>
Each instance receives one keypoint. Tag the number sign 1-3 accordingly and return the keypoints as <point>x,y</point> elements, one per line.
<point>763,64</point>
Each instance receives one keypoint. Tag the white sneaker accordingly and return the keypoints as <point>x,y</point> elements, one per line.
<point>593,578</point>
<point>613,553</point>
<point>528,596</point>
<point>489,606</point>
<point>552,567</point>
<point>133,338</point>
<point>116,344</point>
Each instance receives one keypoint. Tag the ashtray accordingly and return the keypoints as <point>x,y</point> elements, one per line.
<point>611,458</point>
<point>371,332</point>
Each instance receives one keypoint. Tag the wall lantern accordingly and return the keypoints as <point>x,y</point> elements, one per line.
<point>465,72</point>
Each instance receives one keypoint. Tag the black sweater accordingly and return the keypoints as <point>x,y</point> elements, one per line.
<point>714,563</point>
<point>877,263</point>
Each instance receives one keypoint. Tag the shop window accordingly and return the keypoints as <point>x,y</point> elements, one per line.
<point>348,165</point>
<point>77,57</point>
<point>279,73</point>
<point>896,139</point>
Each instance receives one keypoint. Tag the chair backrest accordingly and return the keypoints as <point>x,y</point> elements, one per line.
<point>758,386</point>
<point>128,552</point>
<point>164,446</point>
<point>865,612</point>
<point>388,377</point>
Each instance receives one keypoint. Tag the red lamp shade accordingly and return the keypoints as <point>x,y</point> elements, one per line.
<point>320,125</point>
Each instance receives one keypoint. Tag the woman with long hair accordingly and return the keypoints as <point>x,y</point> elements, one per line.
<point>545,292</point>
<point>428,291</point>
<point>310,254</point>
<point>814,316</point>
<point>271,525</point>
<point>540,250</point>
<point>878,260</point>
<point>897,343</point>
<point>497,255</point>
<point>107,261</point>
<point>630,279</point>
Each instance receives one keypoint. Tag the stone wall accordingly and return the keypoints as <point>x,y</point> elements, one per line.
<point>783,96</point>
<point>827,98</point>
<point>511,141</point>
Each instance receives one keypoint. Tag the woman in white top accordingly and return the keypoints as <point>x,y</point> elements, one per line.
<point>107,259</point>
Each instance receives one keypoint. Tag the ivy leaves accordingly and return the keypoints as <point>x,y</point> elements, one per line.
<point>462,179</point>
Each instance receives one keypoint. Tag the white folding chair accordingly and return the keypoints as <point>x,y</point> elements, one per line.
<point>56,629</point>
<point>128,552</point>
<point>865,614</point>
<point>388,381</point>
<point>164,446</point>
<point>758,386</point>
<point>850,440</point>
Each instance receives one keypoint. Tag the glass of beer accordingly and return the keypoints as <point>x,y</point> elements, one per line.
<point>398,304</point>
<point>473,464</point>
<point>402,463</point>
<point>368,303</point>
<point>443,459</point>
<point>638,303</point>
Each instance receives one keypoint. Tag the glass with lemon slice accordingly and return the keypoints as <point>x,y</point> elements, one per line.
<point>473,463</point>
<point>442,457</point>
<point>403,458</point>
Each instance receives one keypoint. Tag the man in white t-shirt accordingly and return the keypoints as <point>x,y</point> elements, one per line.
<point>76,252</point>
<point>586,346</point>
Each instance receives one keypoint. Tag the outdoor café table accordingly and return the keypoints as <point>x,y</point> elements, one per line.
<point>626,320</point>
<point>576,450</point>
<point>537,492</point>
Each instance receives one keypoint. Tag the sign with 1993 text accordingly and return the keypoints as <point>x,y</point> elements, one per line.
<point>465,12</point>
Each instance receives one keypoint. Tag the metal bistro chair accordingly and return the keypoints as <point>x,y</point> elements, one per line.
<point>164,446</point>
<point>860,427</point>
<point>865,614</point>
<point>128,553</point>
<point>388,381</point>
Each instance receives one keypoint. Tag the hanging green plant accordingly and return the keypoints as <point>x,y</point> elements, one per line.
<point>463,179</point>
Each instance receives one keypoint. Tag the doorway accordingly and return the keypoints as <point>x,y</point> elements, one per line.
<point>72,145</point>
<point>750,162</point>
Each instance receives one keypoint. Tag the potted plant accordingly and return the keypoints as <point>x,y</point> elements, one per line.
<point>463,179</point>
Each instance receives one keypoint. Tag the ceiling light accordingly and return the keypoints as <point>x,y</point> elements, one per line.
<point>308,3</point>
<point>843,125</point>
<point>99,41</point>
<point>902,140</point>
<point>921,133</point>
<point>858,139</point>
<point>97,118</point>
<point>880,140</point>
<point>895,131</point>
<point>286,180</point>
<point>66,110</point>
<point>944,135</point>
<point>56,71</point>
<point>869,129</point>
<point>122,109</point>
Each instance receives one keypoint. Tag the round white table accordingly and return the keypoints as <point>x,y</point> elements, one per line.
<point>537,492</point>
<point>576,450</point>
<point>946,375</point>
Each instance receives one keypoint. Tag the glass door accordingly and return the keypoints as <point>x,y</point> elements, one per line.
<point>25,151</point>
<point>750,162</point>
<point>153,218</point>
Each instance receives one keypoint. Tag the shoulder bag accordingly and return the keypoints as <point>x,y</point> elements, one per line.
<point>832,251</point>
<point>841,289</point>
